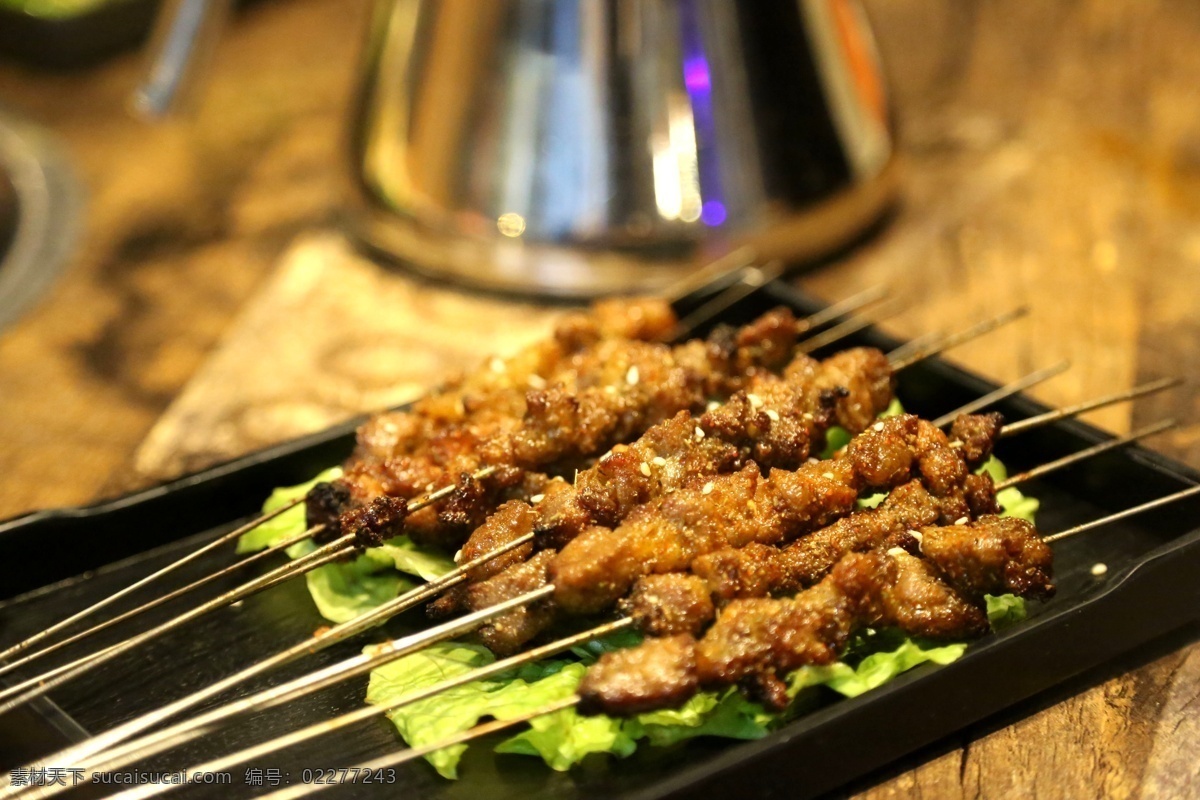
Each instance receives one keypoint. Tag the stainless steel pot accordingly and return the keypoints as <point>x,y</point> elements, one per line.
<point>577,147</point>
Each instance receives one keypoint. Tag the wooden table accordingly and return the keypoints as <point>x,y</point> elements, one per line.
<point>1053,154</point>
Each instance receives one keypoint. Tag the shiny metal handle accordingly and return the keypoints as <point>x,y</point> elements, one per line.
<point>184,39</point>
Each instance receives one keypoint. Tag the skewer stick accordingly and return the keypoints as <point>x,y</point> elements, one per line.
<point>1016,387</point>
<point>955,339</point>
<point>404,756</point>
<point>850,326</point>
<point>274,696</point>
<point>843,307</point>
<point>710,273</point>
<point>1085,453</point>
<point>323,555</point>
<point>158,601</point>
<point>37,686</point>
<point>916,343</point>
<point>160,742</point>
<point>752,279</point>
<point>25,644</point>
<point>1032,423</point>
<point>334,635</point>
<point>1089,405</point>
<point>1119,515</point>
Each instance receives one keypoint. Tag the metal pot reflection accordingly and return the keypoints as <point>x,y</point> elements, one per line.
<point>580,147</point>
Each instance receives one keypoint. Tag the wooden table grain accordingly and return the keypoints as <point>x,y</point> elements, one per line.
<point>1052,155</point>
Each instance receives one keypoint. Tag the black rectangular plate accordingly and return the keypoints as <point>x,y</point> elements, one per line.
<point>1149,589</point>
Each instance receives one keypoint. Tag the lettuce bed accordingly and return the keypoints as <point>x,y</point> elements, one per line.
<point>343,591</point>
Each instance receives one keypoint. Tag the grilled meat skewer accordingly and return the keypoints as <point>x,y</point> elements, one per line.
<point>755,640</point>
<point>497,388</point>
<point>611,393</point>
<point>731,514</point>
<point>736,532</point>
<point>781,422</point>
<point>600,566</point>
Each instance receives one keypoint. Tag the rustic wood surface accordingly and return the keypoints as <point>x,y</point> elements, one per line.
<point>1053,154</point>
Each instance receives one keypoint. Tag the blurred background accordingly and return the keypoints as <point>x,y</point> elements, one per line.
<point>190,294</point>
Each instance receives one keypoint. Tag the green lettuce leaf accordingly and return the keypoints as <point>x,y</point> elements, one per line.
<point>407,556</point>
<point>875,669</point>
<point>565,738</point>
<point>727,714</point>
<point>343,591</point>
<point>1011,500</point>
<point>290,522</point>
<point>436,718</point>
<point>1004,610</point>
<point>561,739</point>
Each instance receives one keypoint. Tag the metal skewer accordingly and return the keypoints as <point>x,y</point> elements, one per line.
<point>1182,494</point>
<point>751,280</point>
<point>337,633</point>
<point>323,555</point>
<point>962,337</point>
<point>843,307</point>
<point>851,326</point>
<point>233,535</point>
<point>35,687</point>
<point>253,558</point>
<point>710,274</point>
<point>1004,392</point>
<point>166,740</point>
<point>1087,452</point>
<point>1089,405</point>
<point>917,342</point>
<point>277,695</point>
<point>410,754</point>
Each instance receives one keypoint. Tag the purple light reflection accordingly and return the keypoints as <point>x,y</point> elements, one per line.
<point>712,213</point>
<point>695,75</point>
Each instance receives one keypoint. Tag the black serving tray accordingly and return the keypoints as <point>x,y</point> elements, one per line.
<point>69,558</point>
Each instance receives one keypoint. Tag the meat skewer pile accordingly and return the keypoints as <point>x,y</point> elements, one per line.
<point>934,592</point>
<point>187,730</point>
<point>706,519</point>
<point>731,356</point>
<point>598,397</point>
